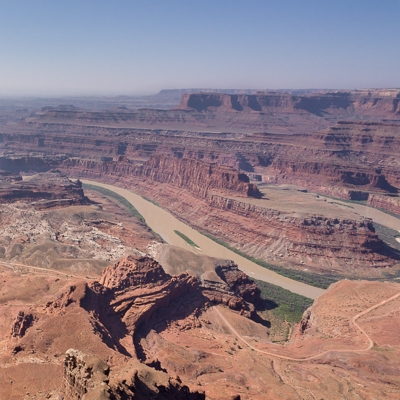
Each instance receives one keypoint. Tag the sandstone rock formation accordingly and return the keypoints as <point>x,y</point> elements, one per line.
<point>323,243</point>
<point>335,102</point>
<point>52,234</point>
<point>388,203</point>
<point>178,358</point>
<point>88,378</point>
<point>320,242</point>
<point>198,177</point>
<point>348,160</point>
<point>85,377</point>
<point>133,293</point>
<point>45,190</point>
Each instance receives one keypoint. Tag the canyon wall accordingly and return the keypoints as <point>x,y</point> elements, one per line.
<point>198,177</point>
<point>388,203</point>
<point>320,242</point>
<point>348,160</point>
<point>45,190</point>
<point>334,102</point>
<point>195,176</point>
<point>197,193</point>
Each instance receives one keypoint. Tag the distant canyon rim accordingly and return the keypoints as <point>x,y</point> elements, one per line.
<point>95,305</point>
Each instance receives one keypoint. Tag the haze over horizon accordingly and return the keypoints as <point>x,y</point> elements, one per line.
<point>131,48</point>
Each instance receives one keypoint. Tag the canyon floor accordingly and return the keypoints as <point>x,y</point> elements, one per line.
<point>301,190</point>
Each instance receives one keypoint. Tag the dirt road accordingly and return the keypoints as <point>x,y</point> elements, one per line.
<point>353,321</point>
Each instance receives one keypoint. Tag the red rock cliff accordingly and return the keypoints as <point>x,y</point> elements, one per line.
<point>197,176</point>
<point>193,175</point>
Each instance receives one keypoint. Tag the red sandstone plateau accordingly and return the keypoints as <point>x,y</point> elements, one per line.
<point>341,144</point>
<point>218,200</point>
<point>94,305</point>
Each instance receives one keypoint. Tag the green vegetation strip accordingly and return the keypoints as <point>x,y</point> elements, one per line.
<point>150,201</point>
<point>388,235</point>
<point>109,193</point>
<point>289,306</point>
<point>317,280</point>
<point>122,200</point>
<point>340,204</point>
<point>362,202</point>
<point>186,239</point>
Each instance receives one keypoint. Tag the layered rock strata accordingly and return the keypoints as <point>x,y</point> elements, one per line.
<point>262,232</point>
<point>323,243</point>
<point>335,102</point>
<point>198,177</point>
<point>130,294</point>
<point>44,190</point>
<point>388,203</point>
<point>132,290</point>
<point>320,242</point>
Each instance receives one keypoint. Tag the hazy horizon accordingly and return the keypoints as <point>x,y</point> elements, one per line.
<point>110,96</point>
<point>81,49</point>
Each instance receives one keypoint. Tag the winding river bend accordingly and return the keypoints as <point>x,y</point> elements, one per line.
<point>163,223</point>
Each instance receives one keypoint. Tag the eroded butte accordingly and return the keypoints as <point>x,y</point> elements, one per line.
<point>95,305</point>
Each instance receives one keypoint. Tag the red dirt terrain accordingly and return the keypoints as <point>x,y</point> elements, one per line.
<point>88,313</point>
<point>138,332</point>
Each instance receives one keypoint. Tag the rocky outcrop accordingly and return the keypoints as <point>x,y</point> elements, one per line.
<point>22,322</point>
<point>131,291</point>
<point>44,190</point>
<point>335,173</point>
<point>85,377</point>
<point>90,378</point>
<point>388,203</point>
<point>264,231</point>
<point>237,281</point>
<point>8,176</point>
<point>196,176</point>
<point>306,322</point>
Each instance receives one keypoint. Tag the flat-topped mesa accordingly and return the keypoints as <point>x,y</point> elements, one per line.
<point>198,177</point>
<point>365,102</point>
<point>45,190</point>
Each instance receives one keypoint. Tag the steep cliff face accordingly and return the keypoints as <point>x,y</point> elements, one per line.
<point>330,243</point>
<point>179,184</point>
<point>89,378</point>
<point>45,190</point>
<point>334,172</point>
<point>131,292</point>
<point>316,241</point>
<point>327,178</point>
<point>196,176</point>
<point>391,204</point>
<point>319,104</point>
<point>85,377</point>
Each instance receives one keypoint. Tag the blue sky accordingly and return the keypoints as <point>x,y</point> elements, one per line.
<point>142,46</point>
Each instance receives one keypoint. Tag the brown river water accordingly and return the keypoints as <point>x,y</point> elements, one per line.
<point>164,223</point>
